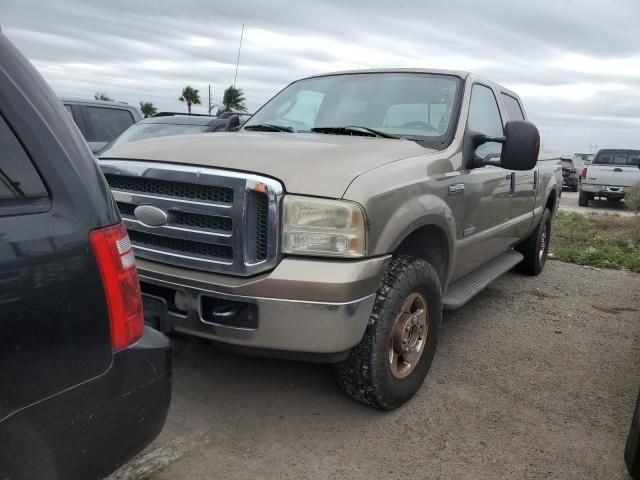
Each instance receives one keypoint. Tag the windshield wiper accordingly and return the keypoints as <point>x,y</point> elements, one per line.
<point>354,130</point>
<point>268,127</point>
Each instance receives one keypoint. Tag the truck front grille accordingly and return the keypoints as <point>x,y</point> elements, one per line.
<point>168,188</point>
<point>217,221</point>
<point>175,245</point>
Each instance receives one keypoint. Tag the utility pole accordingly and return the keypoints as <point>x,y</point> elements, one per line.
<point>238,60</point>
<point>210,99</point>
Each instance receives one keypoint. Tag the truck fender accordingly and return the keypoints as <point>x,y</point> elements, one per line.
<point>422,211</point>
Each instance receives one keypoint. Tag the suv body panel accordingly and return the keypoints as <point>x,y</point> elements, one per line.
<point>63,390</point>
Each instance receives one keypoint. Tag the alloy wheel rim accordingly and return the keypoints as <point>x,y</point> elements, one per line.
<point>408,335</point>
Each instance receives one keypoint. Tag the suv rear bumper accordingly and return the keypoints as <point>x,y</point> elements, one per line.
<point>305,306</point>
<point>90,430</point>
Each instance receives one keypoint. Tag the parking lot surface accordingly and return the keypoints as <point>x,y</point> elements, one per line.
<point>535,378</point>
<point>569,202</point>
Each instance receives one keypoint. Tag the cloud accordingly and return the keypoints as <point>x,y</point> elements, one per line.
<point>576,63</point>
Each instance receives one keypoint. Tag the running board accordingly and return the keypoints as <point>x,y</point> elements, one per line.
<point>470,285</point>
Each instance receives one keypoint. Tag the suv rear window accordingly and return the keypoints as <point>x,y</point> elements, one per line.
<point>18,177</point>
<point>107,123</point>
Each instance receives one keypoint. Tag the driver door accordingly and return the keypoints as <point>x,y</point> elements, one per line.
<point>486,231</point>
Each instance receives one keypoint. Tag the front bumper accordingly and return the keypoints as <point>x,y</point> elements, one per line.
<point>603,190</point>
<point>304,305</point>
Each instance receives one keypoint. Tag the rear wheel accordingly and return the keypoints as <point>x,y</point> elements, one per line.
<point>536,247</point>
<point>583,198</point>
<point>391,361</point>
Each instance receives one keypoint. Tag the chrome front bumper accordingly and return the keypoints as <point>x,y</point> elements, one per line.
<point>306,306</point>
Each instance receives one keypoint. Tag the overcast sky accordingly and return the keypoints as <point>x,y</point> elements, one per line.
<point>576,64</point>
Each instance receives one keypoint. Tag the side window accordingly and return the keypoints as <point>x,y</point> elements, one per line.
<point>107,123</point>
<point>19,179</point>
<point>514,110</point>
<point>484,117</point>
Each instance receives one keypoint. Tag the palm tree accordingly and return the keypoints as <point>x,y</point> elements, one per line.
<point>233,100</point>
<point>190,96</point>
<point>102,96</point>
<point>148,109</point>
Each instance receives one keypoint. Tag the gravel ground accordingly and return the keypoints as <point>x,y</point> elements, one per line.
<point>535,378</point>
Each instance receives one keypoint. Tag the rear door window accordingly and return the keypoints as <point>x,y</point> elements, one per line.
<point>18,177</point>
<point>107,123</point>
<point>514,110</point>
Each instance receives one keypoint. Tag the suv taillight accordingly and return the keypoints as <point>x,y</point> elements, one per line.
<point>584,173</point>
<point>114,255</point>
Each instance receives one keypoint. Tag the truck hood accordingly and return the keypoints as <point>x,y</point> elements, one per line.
<point>309,163</point>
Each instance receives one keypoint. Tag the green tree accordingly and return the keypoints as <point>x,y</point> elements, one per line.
<point>232,100</point>
<point>190,96</point>
<point>102,96</point>
<point>148,109</point>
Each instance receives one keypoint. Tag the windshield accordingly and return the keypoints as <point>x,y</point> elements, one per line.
<point>143,131</point>
<point>416,105</point>
<point>612,157</point>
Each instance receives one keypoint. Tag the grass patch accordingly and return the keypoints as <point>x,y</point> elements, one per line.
<point>608,241</point>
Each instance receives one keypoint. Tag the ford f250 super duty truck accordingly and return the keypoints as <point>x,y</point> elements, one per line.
<point>340,221</point>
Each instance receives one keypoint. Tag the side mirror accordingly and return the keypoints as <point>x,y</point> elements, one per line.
<point>234,123</point>
<point>520,147</point>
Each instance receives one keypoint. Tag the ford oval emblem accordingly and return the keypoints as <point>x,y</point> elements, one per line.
<point>151,216</point>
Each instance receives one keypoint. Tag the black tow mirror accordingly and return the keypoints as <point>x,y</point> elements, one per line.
<point>520,147</point>
<point>234,123</point>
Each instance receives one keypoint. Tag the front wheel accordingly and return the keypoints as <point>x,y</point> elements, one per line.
<point>536,247</point>
<point>391,361</point>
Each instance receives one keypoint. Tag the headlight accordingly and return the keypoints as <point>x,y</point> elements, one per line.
<point>315,226</point>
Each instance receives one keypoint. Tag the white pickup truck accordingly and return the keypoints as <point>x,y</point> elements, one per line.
<point>610,173</point>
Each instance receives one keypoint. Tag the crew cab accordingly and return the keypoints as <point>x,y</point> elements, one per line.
<point>341,220</point>
<point>84,385</point>
<point>609,174</point>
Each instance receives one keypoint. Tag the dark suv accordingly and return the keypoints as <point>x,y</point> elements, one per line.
<point>571,170</point>
<point>84,385</point>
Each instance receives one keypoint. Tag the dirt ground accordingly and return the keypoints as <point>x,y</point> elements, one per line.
<point>536,378</point>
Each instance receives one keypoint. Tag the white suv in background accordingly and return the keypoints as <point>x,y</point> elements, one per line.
<point>100,121</point>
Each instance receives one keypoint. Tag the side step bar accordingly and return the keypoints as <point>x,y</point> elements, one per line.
<point>470,285</point>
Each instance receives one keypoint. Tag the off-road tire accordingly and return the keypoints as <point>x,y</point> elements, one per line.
<point>583,198</point>
<point>533,262</point>
<point>632,447</point>
<point>366,374</point>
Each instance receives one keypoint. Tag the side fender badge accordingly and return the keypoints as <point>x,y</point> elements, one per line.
<point>456,189</point>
